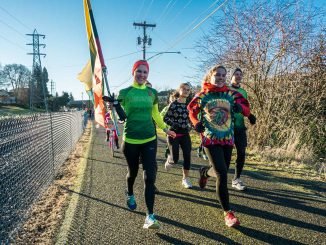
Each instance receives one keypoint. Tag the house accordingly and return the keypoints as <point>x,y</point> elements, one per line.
<point>80,104</point>
<point>6,97</point>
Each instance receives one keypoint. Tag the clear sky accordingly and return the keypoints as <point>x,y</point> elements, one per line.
<point>62,21</point>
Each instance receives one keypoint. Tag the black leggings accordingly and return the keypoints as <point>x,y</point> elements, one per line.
<point>240,140</point>
<point>185,143</point>
<point>147,153</point>
<point>220,158</point>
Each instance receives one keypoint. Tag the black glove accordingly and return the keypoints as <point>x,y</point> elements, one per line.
<point>237,108</point>
<point>252,119</point>
<point>116,104</point>
<point>199,127</point>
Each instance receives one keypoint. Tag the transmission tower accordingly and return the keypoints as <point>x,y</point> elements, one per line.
<point>52,86</point>
<point>145,40</point>
<point>36,67</point>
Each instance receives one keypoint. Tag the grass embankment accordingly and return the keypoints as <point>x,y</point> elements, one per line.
<point>258,162</point>
<point>10,110</point>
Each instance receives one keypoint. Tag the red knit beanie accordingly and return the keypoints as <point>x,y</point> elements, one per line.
<point>138,63</point>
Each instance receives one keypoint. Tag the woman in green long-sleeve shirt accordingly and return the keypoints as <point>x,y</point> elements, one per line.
<point>141,107</point>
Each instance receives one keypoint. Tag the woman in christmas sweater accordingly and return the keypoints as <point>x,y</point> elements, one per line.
<point>141,106</point>
<point>177,117</point>
<point>211,112</point>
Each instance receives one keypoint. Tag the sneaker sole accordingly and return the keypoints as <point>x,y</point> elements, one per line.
<point>187,187</point>
<point>132,208</point>
<point>233,225</point>
<point>238,188</point>
<point>152,226</point>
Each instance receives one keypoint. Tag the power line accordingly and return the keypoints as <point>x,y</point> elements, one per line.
<point>177,15</point>
<point>15,44</point>
<point>195,27</point>
<point>15,30</point>
<point>124,55</point>
<point>16,18</point>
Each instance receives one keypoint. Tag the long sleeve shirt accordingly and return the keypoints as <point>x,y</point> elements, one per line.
<point>141,106</point>
<point>177,117</point>
<point>214,107</point>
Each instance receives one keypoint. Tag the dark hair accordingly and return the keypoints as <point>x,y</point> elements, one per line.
<point>235,70</point>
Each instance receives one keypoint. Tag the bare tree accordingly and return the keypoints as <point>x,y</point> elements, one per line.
<point>281,48</point>
<point>15,76</point>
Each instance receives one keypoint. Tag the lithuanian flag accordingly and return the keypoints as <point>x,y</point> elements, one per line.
<point>95,69</point>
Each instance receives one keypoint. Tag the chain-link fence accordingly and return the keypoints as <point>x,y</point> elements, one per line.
<point>32,148</point>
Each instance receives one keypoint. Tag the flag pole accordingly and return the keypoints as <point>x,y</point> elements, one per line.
<point>99,48</point>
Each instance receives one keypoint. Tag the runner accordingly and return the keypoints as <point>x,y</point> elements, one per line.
<point>240,135</point>
<point>171,97</point>
<point>141,105</point>
<point>148,84</point>
<point>212,112</point>
<point>177,117</point>
<point>111,129</point>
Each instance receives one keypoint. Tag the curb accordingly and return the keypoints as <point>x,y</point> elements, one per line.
<point>62,237</point>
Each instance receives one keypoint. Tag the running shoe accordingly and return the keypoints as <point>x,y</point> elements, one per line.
<point>205,157</point>
<point>168,164</point>
<point>238,184</point>
<point>131,202</point>
<point>202,178</point>
<point>151,222</point>
<point>186,183</point>
<point>231,220</point>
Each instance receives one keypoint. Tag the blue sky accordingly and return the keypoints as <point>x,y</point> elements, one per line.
<point>62,21</point>
<point>67,50</point>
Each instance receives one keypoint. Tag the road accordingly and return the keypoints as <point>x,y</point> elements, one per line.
<point>273,210</point>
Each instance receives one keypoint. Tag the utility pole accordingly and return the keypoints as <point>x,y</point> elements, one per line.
<point>36,67</point>
<point>145,40</point>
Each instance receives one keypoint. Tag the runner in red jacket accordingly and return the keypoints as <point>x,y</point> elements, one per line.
<point>212,112</point>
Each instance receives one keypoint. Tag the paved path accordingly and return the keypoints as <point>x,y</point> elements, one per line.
<point>273,210</point>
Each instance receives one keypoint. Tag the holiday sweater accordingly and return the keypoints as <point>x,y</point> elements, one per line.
<point>141,106</point>
<point>213,106</point>
<point>177,117</point>
<point>238,117</point>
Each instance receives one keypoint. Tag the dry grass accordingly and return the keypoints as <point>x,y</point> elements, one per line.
<point>47,214</point>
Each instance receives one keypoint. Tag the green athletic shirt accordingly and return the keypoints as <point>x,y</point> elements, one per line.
<point>141,106</point>
<point>164,111</point>
<point>238,117</point>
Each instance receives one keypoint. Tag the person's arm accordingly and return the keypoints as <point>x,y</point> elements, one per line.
<point>160,123</point>
<point>163,112</point>
<point>121,98</point>
<point>157,117</point>
<point>168,119</point>
<point>194,109</point>
<point>243,103</point>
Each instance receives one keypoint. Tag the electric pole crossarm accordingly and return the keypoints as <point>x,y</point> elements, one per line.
<point>37,54</point>
<point>39,35</point>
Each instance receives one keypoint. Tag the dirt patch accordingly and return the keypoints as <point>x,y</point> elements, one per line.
<point>47,214</point>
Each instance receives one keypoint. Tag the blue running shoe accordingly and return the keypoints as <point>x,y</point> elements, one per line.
<point>131,202</point>
<point>151,222</point>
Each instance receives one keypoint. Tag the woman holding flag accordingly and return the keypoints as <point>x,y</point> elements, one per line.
<point>141,106</point>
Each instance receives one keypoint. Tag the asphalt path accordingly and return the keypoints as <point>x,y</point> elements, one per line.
<point>273,209</point>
